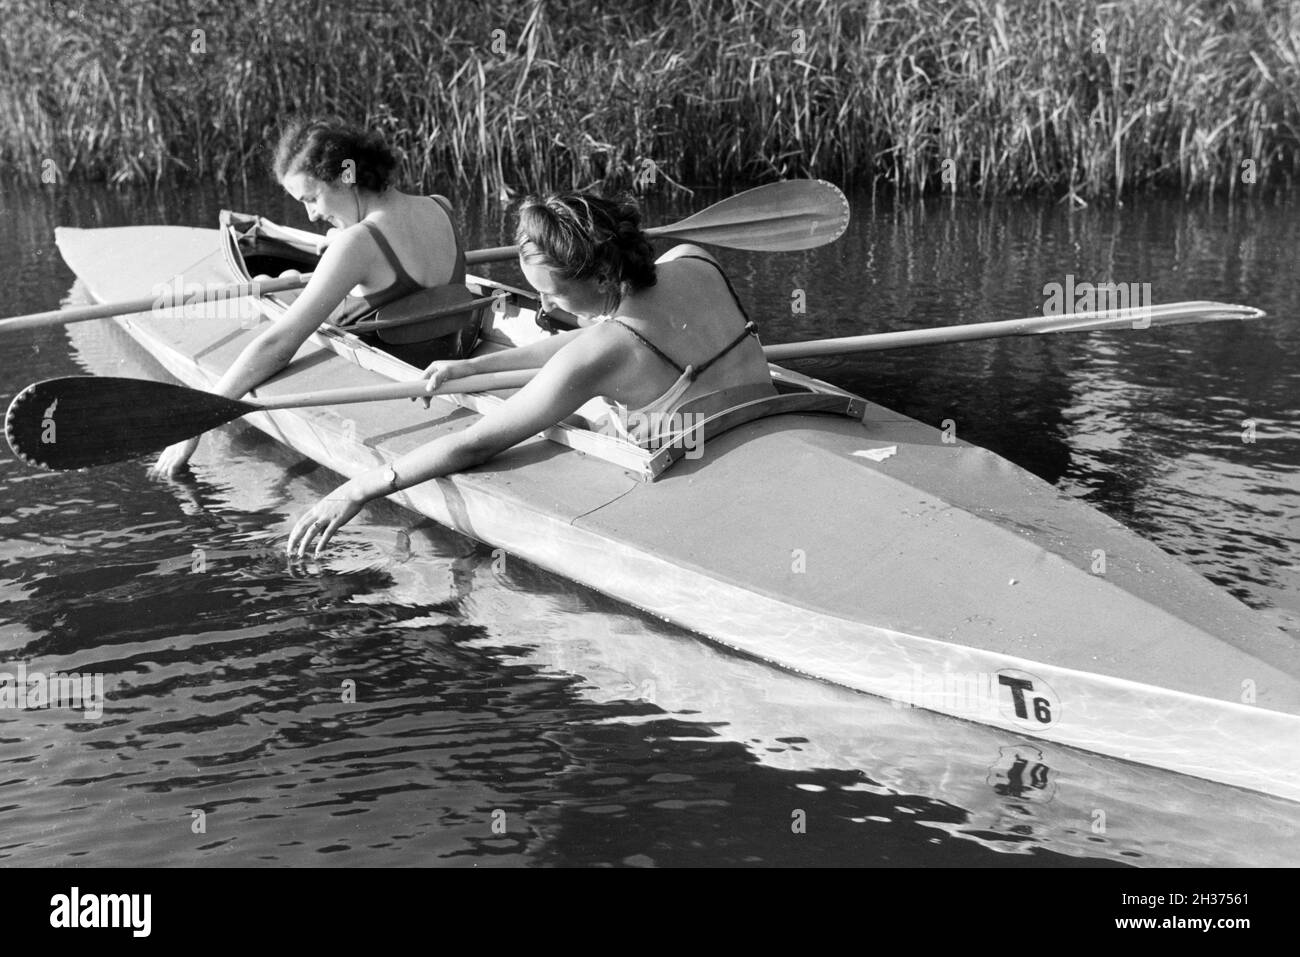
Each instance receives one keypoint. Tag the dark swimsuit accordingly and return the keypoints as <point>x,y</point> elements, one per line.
<point>404,284</point>
<point>360,307</point>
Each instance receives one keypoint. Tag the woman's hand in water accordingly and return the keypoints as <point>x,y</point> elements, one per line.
<point>174,458</point>
<point>324,519</point>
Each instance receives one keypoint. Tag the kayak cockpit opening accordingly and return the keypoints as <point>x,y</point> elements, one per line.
<point>440,322</point>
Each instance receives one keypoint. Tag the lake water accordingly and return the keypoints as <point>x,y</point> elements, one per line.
<point>511,717</point>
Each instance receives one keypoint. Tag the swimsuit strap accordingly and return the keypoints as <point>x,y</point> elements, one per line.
<point>692,372</point>
<point>649,345</point>
<point>750,330</point>
<point>403,277</point>
<point>725,278</point>
<point>458,270</point>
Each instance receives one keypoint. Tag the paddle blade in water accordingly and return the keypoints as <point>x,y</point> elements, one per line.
<point>79,421</point>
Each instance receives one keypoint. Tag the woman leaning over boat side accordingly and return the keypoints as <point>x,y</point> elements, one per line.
<point>384,244</point>
<point>662,333</point>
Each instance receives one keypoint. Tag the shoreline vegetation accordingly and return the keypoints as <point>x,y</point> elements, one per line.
<point>1075,98</point>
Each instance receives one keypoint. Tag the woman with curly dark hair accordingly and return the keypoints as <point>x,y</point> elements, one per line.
<point>384,244</point>
<point>659,333</point>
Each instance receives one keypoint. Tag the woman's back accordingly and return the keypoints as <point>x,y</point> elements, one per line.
<point>693,318</point>
<point>415,243</point>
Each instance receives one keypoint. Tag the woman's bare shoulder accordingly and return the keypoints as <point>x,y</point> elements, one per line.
<point>595,340</point>
<point>358,234</point>
<point>353,245</point>
<point>685,250</point>
<point>692,272</point>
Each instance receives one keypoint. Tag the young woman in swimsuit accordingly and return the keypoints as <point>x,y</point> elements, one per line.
<point>660,334</point>
<point>384,244</point>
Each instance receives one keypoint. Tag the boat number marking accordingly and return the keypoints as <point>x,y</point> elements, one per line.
<point>1027,700</point>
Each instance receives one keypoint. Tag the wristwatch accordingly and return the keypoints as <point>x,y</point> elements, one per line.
<point>390,473</point>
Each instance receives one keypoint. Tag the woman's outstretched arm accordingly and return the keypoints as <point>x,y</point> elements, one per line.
<point>576,374</point>
<point>345,264</point>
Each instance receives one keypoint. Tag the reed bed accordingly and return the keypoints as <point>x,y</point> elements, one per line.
<point>981,97</point>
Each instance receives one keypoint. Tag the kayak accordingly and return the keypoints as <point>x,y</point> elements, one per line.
<point>814,530</point>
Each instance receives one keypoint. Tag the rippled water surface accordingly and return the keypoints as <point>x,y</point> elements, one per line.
<point>503,715</point>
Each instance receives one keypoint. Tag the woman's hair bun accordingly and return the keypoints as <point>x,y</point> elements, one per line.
<point>629,230</point>
<point>587,237</point>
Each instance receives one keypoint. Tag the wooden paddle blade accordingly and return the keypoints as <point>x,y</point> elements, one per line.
<point>80,421</point>
<point>779,217</point>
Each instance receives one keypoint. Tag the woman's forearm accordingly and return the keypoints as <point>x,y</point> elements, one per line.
<point>341,268</point>
<point>261,359</point>
<point>450,453</point>
<point>442,456</point>
<point>532,356</point>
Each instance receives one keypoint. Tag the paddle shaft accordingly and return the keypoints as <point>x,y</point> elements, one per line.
<point>1137,318</point>
<point>1033,325</point>
<point>415,388</point>
<point>167,300</point>
<point>676,231</point>
<point>1166,314</point>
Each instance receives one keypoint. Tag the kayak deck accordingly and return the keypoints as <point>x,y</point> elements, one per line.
<point>941,575</point>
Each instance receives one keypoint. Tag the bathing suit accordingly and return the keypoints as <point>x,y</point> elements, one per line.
<point>641,425</point>
<point>405,284</point>
<point>407,343</point>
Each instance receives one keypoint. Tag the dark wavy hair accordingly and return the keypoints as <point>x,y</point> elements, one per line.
<point>587,237</point>
<point>321,148</point>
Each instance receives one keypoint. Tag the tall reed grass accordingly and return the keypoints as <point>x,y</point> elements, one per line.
<point>972,96</point>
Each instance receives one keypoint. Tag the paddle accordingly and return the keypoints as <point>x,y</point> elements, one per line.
<point>79,421</point>
<point>234,290</point>
<point>780,217</point>
<point>1146,317</point>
